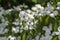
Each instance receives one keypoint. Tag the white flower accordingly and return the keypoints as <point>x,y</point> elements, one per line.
<point>22,13</point>
<point>17,8</point>
<point>42,8</point>
<point>49,7</point>
<point>58,8</point>
<point>1,11</point>
<point>40,14</point>
<point>28,10</point>
<point>2,25</point>
<point>30,16</point>
<point>26,27</point>
<point>34,8</point>
<point>27,23</point>
<point>33,13</point>
<point>11,38</point>
<point>35,21</point>
<point>22,19</point>
<point>6,30</point>
<point>21,5</point>
<point>48,4</point>
<point>32,23</point>
<point>21,30</point>
<point>16,23</point>
<point>57,33</point>
<point>31,27</point>
<point>25,6</point>
<point>3,20</point>
<point>38,5</point>
<point>20,23</point>
<point>9,10</point>
<point>13,29</point>
<point>58,4</point>
<point>26,18</point>
<point>59,28</point>
<point>55,13</point>
<point>6,22</point>
<point>52,15</point>
<point>16,30</point>
<point>47,12</point>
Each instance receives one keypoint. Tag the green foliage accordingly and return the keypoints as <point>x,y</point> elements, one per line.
<point>35,1</point>
<point>23,36</point>
<point>55,37</point>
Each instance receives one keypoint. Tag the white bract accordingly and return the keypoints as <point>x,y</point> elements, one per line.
<point>16,23</point>
<point>49,7</point>
<point>47,12</point>
<point>6,23</point>
<point>33,13</point>
<point>34,8</point>
<point>28,10</point>
<point>42,8</point>
<point>22,13</point>
<point>40,14</point>
<point>26,27</point>
<point>13,29</point>
<point>30,16</point>
<point>59,28</point>
<point>55,13</point>
<point>38,6</point>
<point>1,11</point>
<point>16,30</point>
<point>58,8</point>
<point>58,4</point>
<point>12,37</point>
<point>17,8</point>
<point>9,10</point>
<point>57,33</point>
<point>48,4</point>
<point>32,23</point>
<point>31,28</point>
<point>52,15</point>
<point>25,6</point>
<point>6,31</point>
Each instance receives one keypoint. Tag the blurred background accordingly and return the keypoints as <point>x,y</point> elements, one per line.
<point>6,4</point>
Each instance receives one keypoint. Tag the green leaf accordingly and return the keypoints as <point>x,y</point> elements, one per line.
<point>35,1</point>
<point>55,26</point>
<point>0,1</point>
<point>32,33</point>
<point>42,32</point>
<point>47,20</point>
<point>23,36</point>
<point>55,37</point>
<point>41,20</point>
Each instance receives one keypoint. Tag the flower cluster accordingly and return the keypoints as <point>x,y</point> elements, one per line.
<point>22,19</point>
<point>58,5</point>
